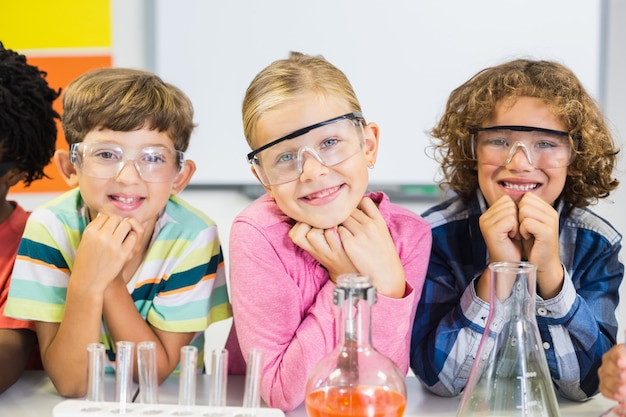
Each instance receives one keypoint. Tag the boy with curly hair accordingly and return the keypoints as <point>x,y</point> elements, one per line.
<point>526,150</point>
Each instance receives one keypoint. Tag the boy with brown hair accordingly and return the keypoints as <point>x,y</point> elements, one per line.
<point>120,257</point>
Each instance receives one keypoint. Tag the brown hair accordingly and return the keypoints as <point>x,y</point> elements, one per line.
<point>590,175</point>
<point>124,100</point>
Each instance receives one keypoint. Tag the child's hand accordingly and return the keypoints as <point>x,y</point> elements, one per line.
<point>612,373</point>
<point>499,226</point>
<point>107,243</point>
<point>361,244</point>
<point>325,246</point>
<point>368,243</point>
<point>539,228</point>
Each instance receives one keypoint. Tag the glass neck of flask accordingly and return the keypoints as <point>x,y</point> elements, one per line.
<point>354,324</point>
<point>513,292</point>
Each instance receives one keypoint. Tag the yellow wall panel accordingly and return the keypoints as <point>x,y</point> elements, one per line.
<point>48,32</point>
<point>45,24</point>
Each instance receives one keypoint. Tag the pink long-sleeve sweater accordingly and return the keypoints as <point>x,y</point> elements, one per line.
<point>282,297</point>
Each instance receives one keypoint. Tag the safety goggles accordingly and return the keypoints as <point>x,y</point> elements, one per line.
<point>330,142</point>
<point>544,148</point>
<point>106,160</point>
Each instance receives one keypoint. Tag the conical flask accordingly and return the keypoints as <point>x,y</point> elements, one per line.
<point>510,375</point>
<point>355,379</point>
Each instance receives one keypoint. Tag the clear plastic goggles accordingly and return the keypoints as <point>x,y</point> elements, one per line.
<point>106,160</point>
<point>330,142</point>
<point>544,148</point>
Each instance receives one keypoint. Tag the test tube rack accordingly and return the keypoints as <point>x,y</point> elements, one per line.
<point>94,404</point>
<point>83,408</point>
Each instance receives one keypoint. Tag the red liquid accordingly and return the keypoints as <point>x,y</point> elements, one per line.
<point>360,401</point>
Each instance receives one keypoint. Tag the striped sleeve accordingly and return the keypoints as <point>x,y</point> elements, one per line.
<point>193,293</point>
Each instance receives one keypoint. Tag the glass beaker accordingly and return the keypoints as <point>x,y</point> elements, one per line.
<point>510,375</point>
<point>355,379</point>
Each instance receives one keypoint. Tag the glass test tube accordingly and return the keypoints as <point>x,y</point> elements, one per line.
<point>252,394</point>
<point>187,377</point>
<point>123,374</point>
<point>219,373</point>
<point>95,375</point>
<point>146,366</point>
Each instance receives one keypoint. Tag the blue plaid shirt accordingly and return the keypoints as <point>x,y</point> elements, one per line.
<point>577,326</point>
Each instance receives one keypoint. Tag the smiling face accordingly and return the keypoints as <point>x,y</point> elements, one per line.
<point>322,196</point>
<point>519,176</point>
<point>127,194</point>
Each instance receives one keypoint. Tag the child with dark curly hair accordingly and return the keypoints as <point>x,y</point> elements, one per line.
<point>526,150</point>
<point>28,134</point>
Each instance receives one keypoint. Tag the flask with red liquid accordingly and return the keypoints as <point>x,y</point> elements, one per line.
<point>355,379</point>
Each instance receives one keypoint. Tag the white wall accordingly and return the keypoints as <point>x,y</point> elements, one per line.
<point>401,76</point>
<point>614,106</point>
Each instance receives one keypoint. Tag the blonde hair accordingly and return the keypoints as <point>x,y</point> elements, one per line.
<point>286,79</point>
<point>123,99</point>
<point>590,175</point>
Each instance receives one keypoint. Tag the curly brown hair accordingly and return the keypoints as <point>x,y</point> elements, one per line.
<point>590,175</point>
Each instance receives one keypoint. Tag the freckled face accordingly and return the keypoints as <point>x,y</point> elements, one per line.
<point>520,176</point>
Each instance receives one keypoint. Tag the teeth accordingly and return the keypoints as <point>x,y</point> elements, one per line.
<point>519,187</point>
<point>125,200</point>
<point>323,193</point>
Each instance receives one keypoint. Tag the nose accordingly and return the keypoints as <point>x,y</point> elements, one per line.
<point>125,174</point>
<point>514,155</point>
<point>312,166</point>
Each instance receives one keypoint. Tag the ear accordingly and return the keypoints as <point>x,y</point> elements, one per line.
<point>66,168</point>
<point>371,143</point>
<point>267,188</point>
<point>183,178</point>
<point>13,177</point>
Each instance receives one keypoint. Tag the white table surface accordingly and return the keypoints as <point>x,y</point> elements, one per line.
<point>35,396</point>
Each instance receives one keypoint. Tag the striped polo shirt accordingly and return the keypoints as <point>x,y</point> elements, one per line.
<point>179,287</point>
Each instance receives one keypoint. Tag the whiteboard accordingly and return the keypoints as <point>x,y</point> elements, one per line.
<point>402,57</point>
